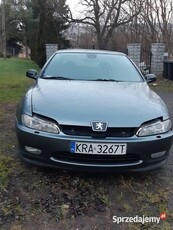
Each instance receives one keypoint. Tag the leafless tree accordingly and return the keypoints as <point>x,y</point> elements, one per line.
<point>81,36</point>
<point>156,16</point>
<point>118,22</point>
<point>107,15</point>
<point>153,24</point>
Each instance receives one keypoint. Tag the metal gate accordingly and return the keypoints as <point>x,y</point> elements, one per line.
<point>145,62</point>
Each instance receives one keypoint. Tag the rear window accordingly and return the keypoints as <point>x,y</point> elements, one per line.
<point>92,66</point>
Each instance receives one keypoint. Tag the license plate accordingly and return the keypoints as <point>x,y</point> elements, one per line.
<point>98,148</point>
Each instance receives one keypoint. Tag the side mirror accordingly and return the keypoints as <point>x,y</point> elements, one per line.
<point>32,73</point>
<point>150,78</point>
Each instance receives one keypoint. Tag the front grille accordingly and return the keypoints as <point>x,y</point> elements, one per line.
<point>96,159</point>
<point>87,131</point>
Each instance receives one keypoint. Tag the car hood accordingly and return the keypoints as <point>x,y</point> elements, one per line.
<point>121,104</point>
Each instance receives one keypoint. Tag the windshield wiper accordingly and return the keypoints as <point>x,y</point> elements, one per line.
<point>103,79</point>
<point>57,78</point>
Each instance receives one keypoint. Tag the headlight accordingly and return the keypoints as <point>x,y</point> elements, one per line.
<point>155,128</point>
<point>39,124</point>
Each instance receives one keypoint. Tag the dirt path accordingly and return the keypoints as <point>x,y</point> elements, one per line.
<point>45,199</point>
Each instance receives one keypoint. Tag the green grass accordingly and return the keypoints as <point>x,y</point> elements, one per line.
<point>13,82</point>
<point>162,85</point>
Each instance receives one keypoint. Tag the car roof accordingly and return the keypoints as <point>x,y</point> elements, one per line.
<point>90,51</point>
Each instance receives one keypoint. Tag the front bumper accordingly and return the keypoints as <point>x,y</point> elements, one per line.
<point>56,151</point>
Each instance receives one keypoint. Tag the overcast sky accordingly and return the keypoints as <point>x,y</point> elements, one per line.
<point>73,4</point>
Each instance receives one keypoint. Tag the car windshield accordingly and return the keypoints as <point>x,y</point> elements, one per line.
<point>91,67</point>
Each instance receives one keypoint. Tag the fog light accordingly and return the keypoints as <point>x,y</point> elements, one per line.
<point>159,154</point>
<point>33,150</point>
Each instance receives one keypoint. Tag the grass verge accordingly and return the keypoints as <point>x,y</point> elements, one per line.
<point>162,85</point>
<point>13,82</point>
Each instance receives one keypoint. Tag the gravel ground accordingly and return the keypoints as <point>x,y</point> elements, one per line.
<point>48,199</point>
<point>168,99</point>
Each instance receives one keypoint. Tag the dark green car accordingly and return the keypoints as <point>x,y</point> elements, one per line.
<point>93,110</point>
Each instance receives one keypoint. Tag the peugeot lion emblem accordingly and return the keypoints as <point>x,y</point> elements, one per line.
<point>99,126</point>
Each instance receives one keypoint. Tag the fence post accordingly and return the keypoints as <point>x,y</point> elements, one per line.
<point>134,52</point>
<point>157,58</point>
<point>51,49</point>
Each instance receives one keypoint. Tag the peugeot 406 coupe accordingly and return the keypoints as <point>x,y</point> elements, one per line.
<point>93,110</point>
